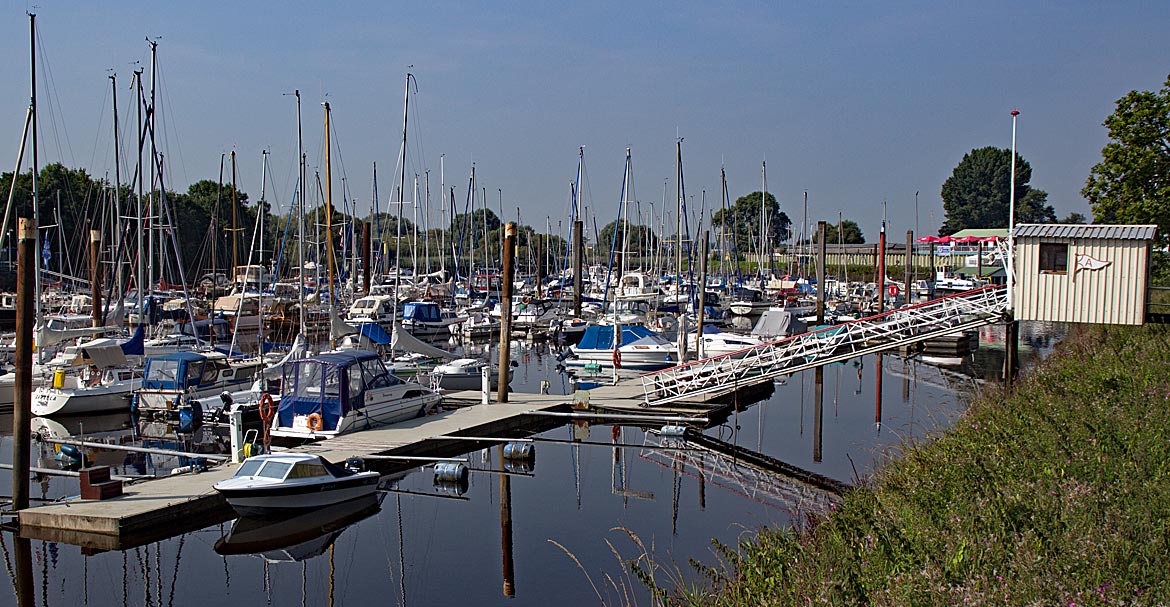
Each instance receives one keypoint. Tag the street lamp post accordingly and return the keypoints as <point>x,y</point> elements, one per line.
<point>1011,278</point>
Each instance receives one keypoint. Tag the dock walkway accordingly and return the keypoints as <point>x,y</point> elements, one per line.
<point>156,509</point>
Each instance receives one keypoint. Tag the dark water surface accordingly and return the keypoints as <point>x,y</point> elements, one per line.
<point>559,533</point>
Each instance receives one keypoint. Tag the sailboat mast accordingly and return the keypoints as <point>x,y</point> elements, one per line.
<point>140,276</point>
<point>117,228</point>
<point>763,216</point>
<point>235,225</point>
<point>150,114</point>
<point>301,217</point>
<point>328,210</point>
<point>32,26</point>
<point>402,179</point>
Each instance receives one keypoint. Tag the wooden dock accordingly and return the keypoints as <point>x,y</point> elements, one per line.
<point>156,509</point>
<point>152,510</point>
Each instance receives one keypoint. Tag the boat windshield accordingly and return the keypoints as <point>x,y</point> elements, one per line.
<point>307,470</point>
<point>275,470</point>
<point>249,467</point>
<point>163,370</point>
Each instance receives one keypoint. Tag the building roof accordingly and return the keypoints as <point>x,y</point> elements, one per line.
<point>981,232</point>
<point>1114,232</point>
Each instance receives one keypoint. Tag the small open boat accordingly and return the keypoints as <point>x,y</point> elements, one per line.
<point>287,482</point>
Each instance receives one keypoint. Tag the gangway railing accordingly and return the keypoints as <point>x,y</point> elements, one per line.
<point>887,331</point>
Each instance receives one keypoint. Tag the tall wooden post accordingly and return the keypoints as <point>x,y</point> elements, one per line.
<point>881,271</point>
<point>26,263</point>
<point>95,276</point>
<point>821,259</point>
<point>578,261</point>
<point>506,312</point>
<point>366,266</point>
<point>908,278</point>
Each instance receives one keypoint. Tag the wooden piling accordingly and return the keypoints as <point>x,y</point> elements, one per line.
<point>95,276</point>
<point>881,270</point>
<point>578,258</point>
<point>506,311</point>
<point>26,263</point>
<point>821,258</point>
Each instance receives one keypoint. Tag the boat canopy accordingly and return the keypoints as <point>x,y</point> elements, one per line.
<point>180,370</point>
<point>330,385</point>
<point>421,311</point>
<point>600,337</point>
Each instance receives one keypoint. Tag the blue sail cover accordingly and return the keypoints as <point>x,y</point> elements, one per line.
<point>600,337</point>
<point>374,332</point>
<point>421,311</point>
<point>135,345</point>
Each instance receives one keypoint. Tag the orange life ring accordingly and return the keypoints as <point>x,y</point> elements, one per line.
<point>316,424</point>
<point>267,407</point>
<point>617,359</point>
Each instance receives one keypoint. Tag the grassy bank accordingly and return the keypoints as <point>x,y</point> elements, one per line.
<point>1056,494</point>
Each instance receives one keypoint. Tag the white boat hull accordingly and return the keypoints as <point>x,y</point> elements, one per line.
<point>48,401</point>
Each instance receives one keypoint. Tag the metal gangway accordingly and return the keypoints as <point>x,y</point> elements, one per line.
<point>891,330</point>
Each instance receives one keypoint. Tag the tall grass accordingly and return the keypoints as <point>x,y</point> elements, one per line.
<point>1058,493</point>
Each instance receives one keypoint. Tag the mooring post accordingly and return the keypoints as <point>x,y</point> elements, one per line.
<point>366,258</point>
<point>26,263</point>
<point>908,275</point>
<point>506,312</point>
<point>1011,359</point>
<point>821,257</point>
<point>95,276</point>
<point>881,270</point>
<point>578,255</point>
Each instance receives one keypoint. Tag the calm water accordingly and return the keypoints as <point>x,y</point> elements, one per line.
<point>573,517</point>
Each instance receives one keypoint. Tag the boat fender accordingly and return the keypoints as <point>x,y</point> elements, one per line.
<point>673,431</point>
<point>519,451</point>
<point>617,359</point>
<point>316,424</point>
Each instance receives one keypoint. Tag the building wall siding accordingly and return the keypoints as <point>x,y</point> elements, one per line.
<point>1114,294</point>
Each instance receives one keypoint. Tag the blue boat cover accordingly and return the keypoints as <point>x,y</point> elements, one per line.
<point>331,403</point>
<point>421,311</point>
<point>134,346</point>
<point>600,337</point>
<point>374,332</point>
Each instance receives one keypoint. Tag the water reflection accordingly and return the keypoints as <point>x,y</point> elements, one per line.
<point>298,537</point>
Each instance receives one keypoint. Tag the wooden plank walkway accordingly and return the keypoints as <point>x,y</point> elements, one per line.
<point>161,508</point>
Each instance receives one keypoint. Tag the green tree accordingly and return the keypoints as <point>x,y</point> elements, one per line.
<point>1077,218</point>
<point>743,220</point>
<point>977,193</point>
<point>1131,184</point>
<point>850,233</point>
<point>642,240</point>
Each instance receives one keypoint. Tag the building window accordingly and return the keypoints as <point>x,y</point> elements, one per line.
<point>1053,258</point>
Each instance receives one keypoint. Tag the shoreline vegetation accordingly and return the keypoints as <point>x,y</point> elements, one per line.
<point>1057,493</point>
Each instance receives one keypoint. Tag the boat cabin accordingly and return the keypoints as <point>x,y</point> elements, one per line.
<point>375,308</point>
<point>329,386</point>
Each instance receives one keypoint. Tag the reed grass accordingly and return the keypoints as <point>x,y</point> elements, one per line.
<point>1058,493</point>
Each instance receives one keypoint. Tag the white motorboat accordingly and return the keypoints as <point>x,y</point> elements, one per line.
<point>285,482</point>
<point>96,390</point>
<point>639,348</point>
<point>716,342</point>
<point>345,391</point>
<point>464,374</point>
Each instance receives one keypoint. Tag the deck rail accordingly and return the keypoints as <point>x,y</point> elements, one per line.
<point>890,330</point>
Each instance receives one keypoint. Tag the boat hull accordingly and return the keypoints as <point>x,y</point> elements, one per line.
<point>283,499</point>
<point>50,401</point>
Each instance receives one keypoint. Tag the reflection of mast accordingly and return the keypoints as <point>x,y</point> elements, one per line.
<point>506,530</point>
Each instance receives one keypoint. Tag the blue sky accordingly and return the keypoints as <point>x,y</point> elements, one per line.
<point>854,102</point>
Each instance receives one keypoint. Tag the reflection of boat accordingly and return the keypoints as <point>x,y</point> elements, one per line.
<point>345,391</point>
<point>285,482</point>
<point>90,427</point>
<point>298,537</point>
